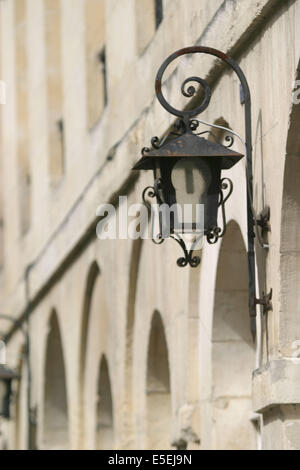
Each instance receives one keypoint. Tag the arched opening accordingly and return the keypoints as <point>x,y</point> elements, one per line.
<point>21,417</point>
<point>105,427</point>
<point>95,60</point>
<point>128,426</point>
<point>290,258</point>
<point>289,325</point>
<point>97,408</point>
<point>90,283</point>
<point>158,402</point>
<point>192,372</point>
<point>56,432</point>
<point>233,354</point>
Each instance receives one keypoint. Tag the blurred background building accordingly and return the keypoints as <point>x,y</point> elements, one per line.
<point>127,350</point>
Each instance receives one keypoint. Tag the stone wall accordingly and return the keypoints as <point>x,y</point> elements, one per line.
<point>166,351</point>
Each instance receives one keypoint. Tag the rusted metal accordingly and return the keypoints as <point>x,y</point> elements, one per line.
<point>190,145</point>
<point>203,50</point>
<point>263,221</point>
<point>266,302</point>
<point>157,86</point>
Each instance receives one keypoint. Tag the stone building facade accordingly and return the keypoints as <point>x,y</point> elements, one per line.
<point>127,350</point>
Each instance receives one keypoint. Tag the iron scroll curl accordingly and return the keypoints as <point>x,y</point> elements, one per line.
<point>186,115</point>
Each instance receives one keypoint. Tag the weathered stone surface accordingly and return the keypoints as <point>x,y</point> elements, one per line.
<point>105,292</point>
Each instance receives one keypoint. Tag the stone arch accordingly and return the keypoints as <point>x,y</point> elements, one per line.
<point>158,389</point>
<point>289,325</point>
<point>92,276</point>
<point>21,417</point>
<point>232,349</point>
<point>55,424</point>
<point>128,425</point>
<point>105,421</point>
<point>95,59</point>
<point>98,344</point>
<point>194,279</point>
<point>189,428</point>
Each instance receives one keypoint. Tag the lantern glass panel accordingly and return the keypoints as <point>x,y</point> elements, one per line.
<point>191,179</point>
<point>189,193</point>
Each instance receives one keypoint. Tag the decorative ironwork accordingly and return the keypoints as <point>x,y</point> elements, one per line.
<point>266,302</point>
<point>153,191</point>
<point>189,92</point>
<point>193,261</point>
<point>230,140</point>
<point>212,235</point>
<point>188,257</point>
<point>263,221</point>
<point>215,233</point>
<point>226,184</point>
<point>186,123</point>
<point>155,142</point>
<point>145,150</point>
<point>179,128</point>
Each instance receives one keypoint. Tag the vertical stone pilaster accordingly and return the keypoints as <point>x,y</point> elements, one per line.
<point>276,395</point>
<point>281,430</point>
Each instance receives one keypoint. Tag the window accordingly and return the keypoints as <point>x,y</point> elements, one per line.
<point>149,14</point>
<point>158,12</point>
<point>24,176</point>
<point>54,90</point>
<point>95,60</point>
<point>102,60</point>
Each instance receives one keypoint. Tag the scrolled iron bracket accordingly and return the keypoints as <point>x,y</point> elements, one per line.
<point>266,302</point>
<point>263,222</point>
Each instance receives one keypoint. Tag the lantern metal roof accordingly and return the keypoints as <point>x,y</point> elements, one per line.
<point>190,145</point>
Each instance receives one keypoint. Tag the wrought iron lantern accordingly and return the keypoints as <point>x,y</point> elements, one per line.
<point>187,170</point>
<point>6,377</point>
